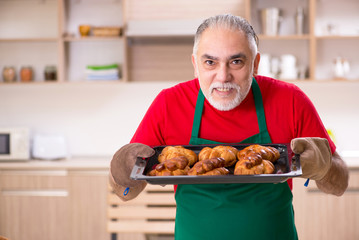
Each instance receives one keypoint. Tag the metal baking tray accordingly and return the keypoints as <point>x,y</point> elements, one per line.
<point>287,166</point>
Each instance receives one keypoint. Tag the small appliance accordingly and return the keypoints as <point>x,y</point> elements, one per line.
<point>49,147</point>
<point>14,144</point>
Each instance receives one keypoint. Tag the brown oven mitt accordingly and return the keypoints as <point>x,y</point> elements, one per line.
<point>315,156</point>
<point>120,169</point>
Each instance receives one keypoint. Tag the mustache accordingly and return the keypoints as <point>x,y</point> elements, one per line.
<point>223,85</point>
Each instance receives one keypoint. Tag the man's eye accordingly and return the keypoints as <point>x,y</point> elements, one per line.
<point>236,61</point>
<point>209,62</point>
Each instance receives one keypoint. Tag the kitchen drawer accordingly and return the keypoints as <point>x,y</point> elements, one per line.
<point>34,204</point>
<point>56,204</point>
<point>34,214</point>
<point>325,216</point>
<point>33,179</point>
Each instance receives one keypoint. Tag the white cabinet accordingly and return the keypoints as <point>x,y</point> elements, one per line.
<point>80,51</point>
<point>330,32</point>
<point>41,33</point>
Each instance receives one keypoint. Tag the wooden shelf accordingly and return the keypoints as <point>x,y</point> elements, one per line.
<point>284,37</point>
<point>28,39</point>
<point>66,82</point>
<point>91,39</point>
<point>338,37</point>
<point>157,38</point>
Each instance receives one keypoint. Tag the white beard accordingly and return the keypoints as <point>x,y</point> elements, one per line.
<point>224,106</point>
<point>229,105</point>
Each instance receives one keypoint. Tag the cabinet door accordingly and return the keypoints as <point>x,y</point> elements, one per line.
<point>34,205</point>
<point>88,194</point>
<point>323,216</point>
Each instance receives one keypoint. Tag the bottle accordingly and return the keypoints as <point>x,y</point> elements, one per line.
<point>346,68</point>
<point>9,74</point>
<point>338,68</point>
<point>299,20</point>
<point>26,74</point>
<point>50,73</point>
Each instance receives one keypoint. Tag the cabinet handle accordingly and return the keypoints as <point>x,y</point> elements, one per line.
<point>36,193</point>
<point>352,190</point>
<point>37,172</point>
<point>90,172</point>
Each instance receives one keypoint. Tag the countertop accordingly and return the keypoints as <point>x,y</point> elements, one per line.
<point>352,162</point>
<point>76,163</point>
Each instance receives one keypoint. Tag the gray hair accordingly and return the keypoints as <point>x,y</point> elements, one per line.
<point>230,22</point>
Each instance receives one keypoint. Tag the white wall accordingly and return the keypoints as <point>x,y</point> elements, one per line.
<point>98,118</point>
<point>95,118</point>
<point>337,104</point>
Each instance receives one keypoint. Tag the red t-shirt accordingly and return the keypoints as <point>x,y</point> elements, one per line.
<point>289,114</point>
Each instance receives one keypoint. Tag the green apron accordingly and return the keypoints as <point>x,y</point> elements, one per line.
<point>234,211</point>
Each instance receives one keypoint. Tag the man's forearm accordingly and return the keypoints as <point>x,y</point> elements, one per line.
<point>336,180</point>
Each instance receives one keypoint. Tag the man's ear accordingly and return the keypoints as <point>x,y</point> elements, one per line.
<point>256,64</point>
<point>194,66</point>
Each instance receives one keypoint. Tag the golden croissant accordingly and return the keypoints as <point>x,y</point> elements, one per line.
<point>212,166</point>
<point>171,167</point>
<point>256,159</point>
<point>228,153</point>
<point>176,151</point>
<point>268,153</point>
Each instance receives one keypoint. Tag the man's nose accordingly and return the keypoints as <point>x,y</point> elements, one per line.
<point>223,73</point>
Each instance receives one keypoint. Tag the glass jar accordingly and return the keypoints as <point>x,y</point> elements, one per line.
<point>50,73</point>
<point>9,74</point>
<point>26,74</point>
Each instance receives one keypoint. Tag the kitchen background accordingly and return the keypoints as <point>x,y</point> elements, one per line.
<point>98,116</point>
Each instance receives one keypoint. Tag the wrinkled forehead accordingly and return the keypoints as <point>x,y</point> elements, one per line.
<point>222,37</point>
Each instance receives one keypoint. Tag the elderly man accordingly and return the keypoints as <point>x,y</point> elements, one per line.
<point>228,102</point>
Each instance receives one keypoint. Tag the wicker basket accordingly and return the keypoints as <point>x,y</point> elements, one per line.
<point>106,31</point>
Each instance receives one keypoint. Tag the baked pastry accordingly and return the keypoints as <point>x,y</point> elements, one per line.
<point>256,159</point>
<point>217,171</point>
<point>171,167</point>
<point>228,153</point>
<point>176,151</point>
<point>245,168</point>
<point>268,167</point>
<point>268,153</point>
<point>212,166</point>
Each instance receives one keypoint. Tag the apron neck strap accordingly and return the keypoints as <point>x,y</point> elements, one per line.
<point>198,114</point>
<point>258,101</point>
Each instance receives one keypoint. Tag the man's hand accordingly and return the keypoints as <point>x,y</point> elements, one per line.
<point>315,156</point>
<point>121,166</point>
<point>329,171</point>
